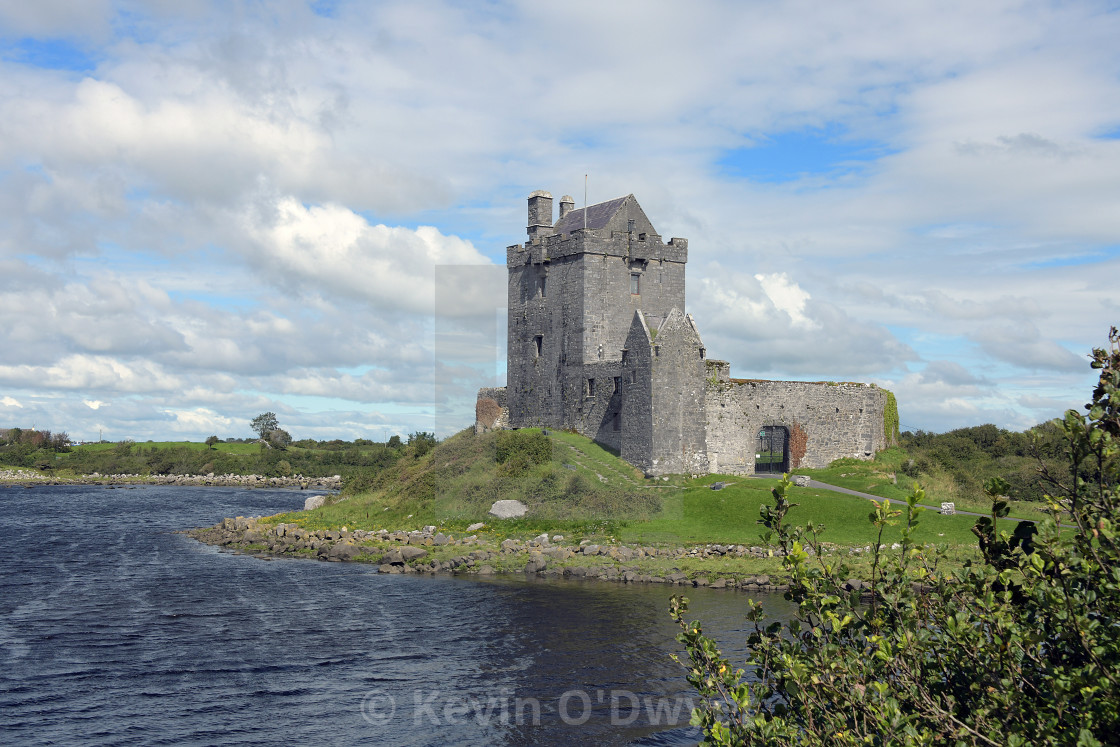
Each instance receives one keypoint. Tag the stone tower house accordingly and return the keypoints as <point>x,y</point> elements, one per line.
<point>598,342</point>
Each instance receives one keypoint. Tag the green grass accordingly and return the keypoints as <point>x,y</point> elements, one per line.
<point>880,475</point>
<point>699,514</point>
<point>455,485</point>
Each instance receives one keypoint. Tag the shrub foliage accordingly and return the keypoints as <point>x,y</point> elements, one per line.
<point>1020,647</point>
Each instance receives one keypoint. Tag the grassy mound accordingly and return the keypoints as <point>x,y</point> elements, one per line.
<point>564,479</point>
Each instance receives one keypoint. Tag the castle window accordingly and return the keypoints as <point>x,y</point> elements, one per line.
<point>617,421</point>
<point>618,383</point>
<point>624,352</point>
<point>539,342</point>
<point>630,226</point>
<point>634,377</point>
<point>590,390</point>
<point>542,286</point>
<point>641,237</point>
<point>702,351</point>
<point>656,351</point>
<point>635,283</point>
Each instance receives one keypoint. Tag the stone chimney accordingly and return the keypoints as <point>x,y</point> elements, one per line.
<point>566,205</point>
<point>540,214</point>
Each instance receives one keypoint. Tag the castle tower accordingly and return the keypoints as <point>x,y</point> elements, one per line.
<point>572,295</point>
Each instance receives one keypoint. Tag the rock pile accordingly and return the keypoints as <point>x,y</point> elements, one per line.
<point>334,482</point>
<point>20,475</point>
<point>414,552</point>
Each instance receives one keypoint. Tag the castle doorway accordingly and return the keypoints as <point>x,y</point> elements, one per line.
<point>772,451</point>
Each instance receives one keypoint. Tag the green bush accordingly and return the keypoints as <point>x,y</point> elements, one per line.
<point>532,445</point>
<point>1020,647</point>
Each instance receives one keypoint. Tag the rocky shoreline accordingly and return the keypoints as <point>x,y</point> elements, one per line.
<point>28,478</point>
<point>428,551</point>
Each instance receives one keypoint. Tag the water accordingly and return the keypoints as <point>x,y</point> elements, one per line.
<point>115,630</point>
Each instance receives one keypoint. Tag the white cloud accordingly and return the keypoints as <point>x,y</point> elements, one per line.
<point>786,296</point>
<point>92,373</point>
<point>332,249</point>
<point>7,401</point>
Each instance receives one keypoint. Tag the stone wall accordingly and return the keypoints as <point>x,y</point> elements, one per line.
<point>501,422</point>
<point>637,399</point>
<point>677,374</point>
<point>836,420</point>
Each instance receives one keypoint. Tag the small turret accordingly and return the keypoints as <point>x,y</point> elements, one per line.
<point>566,205</point>
<point>540,214</point>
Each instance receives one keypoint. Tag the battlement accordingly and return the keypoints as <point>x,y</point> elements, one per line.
<point>549,248</point>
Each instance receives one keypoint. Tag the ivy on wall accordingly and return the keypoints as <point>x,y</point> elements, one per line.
<point>890,419</point>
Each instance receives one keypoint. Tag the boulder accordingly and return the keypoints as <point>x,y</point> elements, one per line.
<point>313,502</point>
<point>475,527</point>
<point>344,551</point>
<point>508,509</point>
<point>802,481</point>
<point>718,485</point>
<point>536,564</point>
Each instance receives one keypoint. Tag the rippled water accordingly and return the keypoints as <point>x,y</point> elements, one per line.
<point>115,630</point>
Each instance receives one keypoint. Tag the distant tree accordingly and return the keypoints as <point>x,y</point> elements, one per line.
<point>394,442</point>
<point>421,442</point>
<point>211,441</point>
<point>264,424</point>
<point>279,438</point>
<point>61,441</point>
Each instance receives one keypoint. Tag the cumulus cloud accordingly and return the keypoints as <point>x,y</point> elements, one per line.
<point>767,325</point>
<point>333,250</point>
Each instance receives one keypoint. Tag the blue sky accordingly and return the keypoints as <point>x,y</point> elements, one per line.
<point>209,210</point>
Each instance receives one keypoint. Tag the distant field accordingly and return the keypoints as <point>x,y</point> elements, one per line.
<point>223,447</point>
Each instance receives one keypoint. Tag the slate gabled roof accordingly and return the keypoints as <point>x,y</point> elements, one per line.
<point>598,216</point>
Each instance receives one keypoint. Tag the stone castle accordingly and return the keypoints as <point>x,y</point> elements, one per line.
<point>598,342</point>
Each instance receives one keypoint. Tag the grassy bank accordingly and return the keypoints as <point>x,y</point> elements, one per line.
<point>583,491</point>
